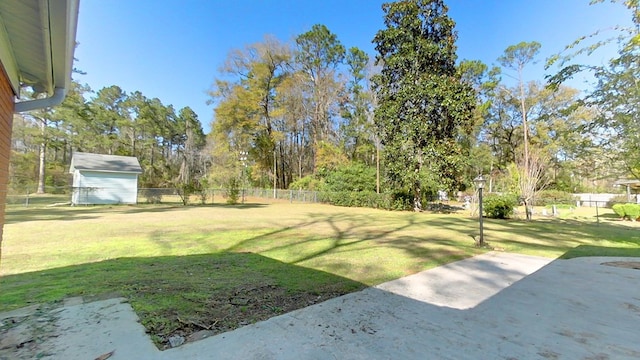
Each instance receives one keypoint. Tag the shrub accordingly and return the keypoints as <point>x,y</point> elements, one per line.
<point>554,197</point>
<point>153,196</point>
<point>233,191</point>
<point>499,206</point>
<point>354,177</point>
<point>308,182</point>
<point>370,199</point>
<point>618,209</point>
<point>632,211</point>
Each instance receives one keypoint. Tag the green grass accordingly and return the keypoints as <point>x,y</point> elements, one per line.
<point>180,266</point>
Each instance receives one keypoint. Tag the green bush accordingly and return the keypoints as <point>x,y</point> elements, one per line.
<point>618,209</point>
<point>355,177</point>
<point>554,197</point>
<point>499,206</point>
<point>308,182</point>
<point>631,211</point>
<point>366,199</point>
<point>232,191</point>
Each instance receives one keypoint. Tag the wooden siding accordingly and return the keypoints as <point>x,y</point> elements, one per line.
<point>6,120</point>
<point>94,187</point>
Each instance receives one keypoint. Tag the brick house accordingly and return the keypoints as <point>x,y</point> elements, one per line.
<point>37,40</point>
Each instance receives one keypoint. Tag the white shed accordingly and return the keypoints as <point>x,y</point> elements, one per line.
<point>104,179</point>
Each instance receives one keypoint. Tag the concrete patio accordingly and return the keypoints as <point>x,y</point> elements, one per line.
<point>492,306</point>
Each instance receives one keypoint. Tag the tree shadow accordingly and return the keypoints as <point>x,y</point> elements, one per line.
<point>184,294</point>
<point>86,212</point>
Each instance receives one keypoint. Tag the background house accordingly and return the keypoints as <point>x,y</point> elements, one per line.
<point>37,40</point>
<point>104,179</point>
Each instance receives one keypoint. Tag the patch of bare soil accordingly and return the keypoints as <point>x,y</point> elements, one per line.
<point>24,332</point>
<point>243,306</point>
<point>624,264</point>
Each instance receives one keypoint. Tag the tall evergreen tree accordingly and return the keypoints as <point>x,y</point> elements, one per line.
<point>424,106</point>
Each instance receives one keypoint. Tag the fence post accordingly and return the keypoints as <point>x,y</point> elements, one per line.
<point>290,196</point>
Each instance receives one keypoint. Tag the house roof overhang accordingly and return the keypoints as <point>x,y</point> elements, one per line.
<point>37,41</point>
<point>627,182</point>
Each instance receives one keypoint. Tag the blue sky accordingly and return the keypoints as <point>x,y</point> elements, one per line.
<point>172,49</point>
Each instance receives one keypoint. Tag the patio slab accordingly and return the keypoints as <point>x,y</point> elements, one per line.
<point>496,305</point>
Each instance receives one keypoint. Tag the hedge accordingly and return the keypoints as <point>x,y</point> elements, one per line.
<point>554,197</point>
<point>499,206</point>
<point>627,211</point>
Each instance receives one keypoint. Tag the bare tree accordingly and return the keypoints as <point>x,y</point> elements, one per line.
<point>531,177</point>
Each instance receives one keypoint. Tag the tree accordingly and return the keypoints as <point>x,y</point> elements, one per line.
<point>616,93</point>
<point>423,105</point>
<point>109,114</point>
<point>249,112</point>
<point>484,81</point>
<point>360,139</point>
<point>319,54</point>
<point>191,166</point>
<point>515,57</point>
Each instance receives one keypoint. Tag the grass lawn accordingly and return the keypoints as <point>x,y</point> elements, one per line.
<point>218,267</point>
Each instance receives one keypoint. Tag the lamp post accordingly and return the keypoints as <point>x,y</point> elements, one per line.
<point>480,181</point>
<point>243,159</point>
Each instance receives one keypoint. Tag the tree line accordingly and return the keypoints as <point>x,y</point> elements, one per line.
<point>168,143</point>
<point>410,121</point>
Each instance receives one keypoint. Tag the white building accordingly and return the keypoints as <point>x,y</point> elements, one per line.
<point>104,179</point>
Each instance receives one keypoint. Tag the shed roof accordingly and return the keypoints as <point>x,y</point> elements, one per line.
<point>105,163</point>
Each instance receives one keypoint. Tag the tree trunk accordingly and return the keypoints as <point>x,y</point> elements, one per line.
<point>41,168</point>
<point>417,197</point>
<point>527,210</point>
<point>377,165</point>
<point>43,161</point>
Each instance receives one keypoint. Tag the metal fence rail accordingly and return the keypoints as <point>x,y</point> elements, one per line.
<point>27,197</point>
<point>63,195</point>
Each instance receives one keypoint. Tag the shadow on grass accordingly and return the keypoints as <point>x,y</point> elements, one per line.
<point>355,245</point>
<point>184,294</point>
<point>16,214</point>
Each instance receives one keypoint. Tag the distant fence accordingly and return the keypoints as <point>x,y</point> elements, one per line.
<point>61,195</point>
<point>212,196</point>
<point>27,196</point>
<point>603,200</point>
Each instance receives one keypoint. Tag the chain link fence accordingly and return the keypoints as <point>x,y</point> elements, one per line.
<point>213,196</point>
<point>64,195</point>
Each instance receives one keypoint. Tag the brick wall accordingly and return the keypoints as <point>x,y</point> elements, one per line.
<point>6,119</point>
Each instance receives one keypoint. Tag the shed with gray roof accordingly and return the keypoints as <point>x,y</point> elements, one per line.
<point>104,179</point>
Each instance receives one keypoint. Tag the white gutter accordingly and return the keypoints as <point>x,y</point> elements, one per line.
<point>53,100</point>
<point>59,24</point>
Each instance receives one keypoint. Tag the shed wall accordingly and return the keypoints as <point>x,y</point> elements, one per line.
<point>95,187</point>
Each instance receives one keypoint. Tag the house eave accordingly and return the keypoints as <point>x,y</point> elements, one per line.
<point>37,42</point>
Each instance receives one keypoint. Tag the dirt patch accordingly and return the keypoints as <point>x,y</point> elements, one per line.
<point>24,332</point>
<point>243,306</point>
<point>624,264</point>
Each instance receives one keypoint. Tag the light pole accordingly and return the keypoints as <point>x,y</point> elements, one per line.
<point>243,159</point>
<point>480,181</point>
